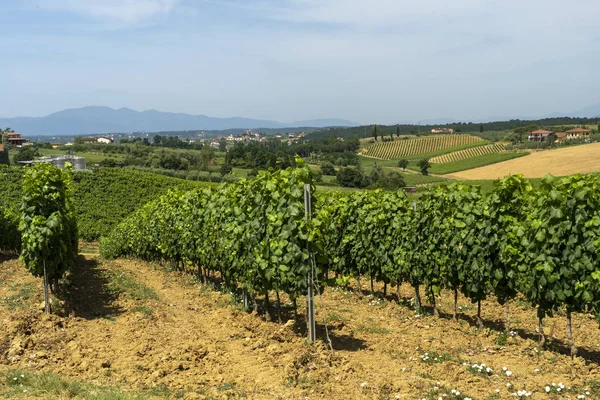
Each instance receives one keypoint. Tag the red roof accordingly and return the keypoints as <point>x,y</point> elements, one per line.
<point>541,132</point>
<point>13,134</point>
<point>560,134</point>
<point>579,130</point>
<point>18,139</point>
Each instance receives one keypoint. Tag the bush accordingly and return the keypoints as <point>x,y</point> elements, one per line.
<point>327,168</point>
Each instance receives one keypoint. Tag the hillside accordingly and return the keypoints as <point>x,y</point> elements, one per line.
<point>559,162</point>
<point>424,145</point>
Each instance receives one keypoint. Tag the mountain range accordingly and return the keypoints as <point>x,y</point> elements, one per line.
<point>97,120</point>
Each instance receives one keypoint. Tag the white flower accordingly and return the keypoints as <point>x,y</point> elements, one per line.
<point>504,368</point>
<point>508,373</point>
<point>537,370</point>
<point>497,390</point>
<point>587,393</point>
<point>558,389</point>
<point>547,389</point>
<point>363,384</point>
<point>508,384</point>
<point>22,376</point>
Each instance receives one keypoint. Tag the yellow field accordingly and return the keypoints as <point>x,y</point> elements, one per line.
<point>559,162</point>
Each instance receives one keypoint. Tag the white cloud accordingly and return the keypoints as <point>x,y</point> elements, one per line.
<point>124,11</point>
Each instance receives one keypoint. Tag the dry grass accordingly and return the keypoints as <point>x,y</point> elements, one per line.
<point>558,162</point>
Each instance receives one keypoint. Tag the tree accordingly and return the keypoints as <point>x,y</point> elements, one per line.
<point>397,131</point>
<point>327,168</point>
<point>351,177</point>
<point>374,132</point>
<point>223,145</point>
<point>481,128</point>
<point>4,159</point>
<point>403,164</point>
<point>424,165</point>
<point>5,140</point>
<point>77,140</point>
<point>48,225</point>
<point>225,169</point>
<point>26,154</point>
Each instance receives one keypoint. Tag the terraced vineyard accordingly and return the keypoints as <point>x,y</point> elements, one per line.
<point>406,148</point>
<point>468,153</point>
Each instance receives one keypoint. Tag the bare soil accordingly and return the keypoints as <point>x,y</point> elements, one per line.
<point>136,326</point>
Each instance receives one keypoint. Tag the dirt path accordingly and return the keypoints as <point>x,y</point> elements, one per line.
<point>135,325</point>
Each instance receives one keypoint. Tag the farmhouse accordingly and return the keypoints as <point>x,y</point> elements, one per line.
<point>560,136</point>
<point>578,133</point>
<point>540,135</point>
<point>15,139</point>
<point>105,140</point>
<point>442,130</point>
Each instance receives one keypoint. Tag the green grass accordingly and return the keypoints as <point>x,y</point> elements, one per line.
<point>21,298</point>
<point>473,162</point>
<point>21,384</point>
<point>122,282</point>
<point>90,157</point>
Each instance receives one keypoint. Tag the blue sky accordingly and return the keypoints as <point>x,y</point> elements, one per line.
<point>369,61</point>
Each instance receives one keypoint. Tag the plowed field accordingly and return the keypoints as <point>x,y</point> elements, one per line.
<point>156,334</point>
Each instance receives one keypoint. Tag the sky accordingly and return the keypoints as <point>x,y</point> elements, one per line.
<point>368,61</point>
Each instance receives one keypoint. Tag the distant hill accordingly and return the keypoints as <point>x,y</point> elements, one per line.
<point>95,120</point>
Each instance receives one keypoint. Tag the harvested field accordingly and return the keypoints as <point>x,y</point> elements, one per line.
<point>558,162</point>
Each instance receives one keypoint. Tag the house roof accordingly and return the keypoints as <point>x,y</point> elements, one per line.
<point>18,139</point>
<point>13,134</point>
<point>579,130</point>
<point>541,132</point>
<point>560,135</point>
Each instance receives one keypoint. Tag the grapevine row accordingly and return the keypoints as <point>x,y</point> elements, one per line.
<point>406,148</point>
<point>543,245</point>
<point>468,153</point>
<point>253,233</point>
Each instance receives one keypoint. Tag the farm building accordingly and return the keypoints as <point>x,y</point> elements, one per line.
<point>15,139</point>
<point>105,140</point>
<point>442,130</point>
<point>540,135</point>
<point>578,133</point>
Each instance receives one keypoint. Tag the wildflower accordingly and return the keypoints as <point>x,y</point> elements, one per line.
<point>547,389</point>
<point>362,385</point>
<point>508,373</point>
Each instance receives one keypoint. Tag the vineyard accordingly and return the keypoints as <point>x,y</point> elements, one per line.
<point>531,251</point>
<point>101,199</point>
<point>406,148</point>
<point>468,153</point>
<point>508,243</point>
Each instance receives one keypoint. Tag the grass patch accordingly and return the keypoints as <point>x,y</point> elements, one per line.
<point>122,282</point>
<point>474,162</point>
<point>147,311</point>
<point>373,329</point>
<point>21,298</point>
<point>90,157</point>
<point>21,384</point>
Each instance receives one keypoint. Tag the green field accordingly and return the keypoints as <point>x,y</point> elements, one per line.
<point>90,157</point>
<point>473,162</point>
